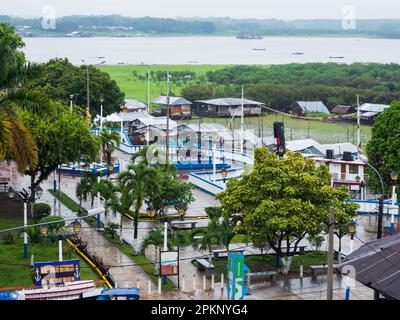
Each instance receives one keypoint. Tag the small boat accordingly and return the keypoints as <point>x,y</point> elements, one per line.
<point>69,291</point>
<point>298,53</point>
<point>333,57</point>
<point>259,49</point>
<point>78,290</point>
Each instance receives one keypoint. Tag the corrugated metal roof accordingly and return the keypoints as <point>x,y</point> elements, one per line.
<point>313,107</point>
<point>134,104</point>
<point>342,109</point>
<point>173,101</point>
<point>230,102</point>
<point>373,107</point>
<point>205,127</point>
<point>369,114</point>
<point>377,265</point>
<point>298,145</point>
<point>143,117</point>
<point>338,148</point>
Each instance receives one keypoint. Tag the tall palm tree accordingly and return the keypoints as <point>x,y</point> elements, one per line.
<point>16,141</point>
<point>109,142</point>
<point>107,190</point>
<point>210,236</point>
<point>135,184</point>
<point>85,188</point>
<point>155,238</point>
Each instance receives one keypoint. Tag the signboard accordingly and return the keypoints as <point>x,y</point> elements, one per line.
<point>57,272</point>
<point>169,263</point>
<point>236,276</point>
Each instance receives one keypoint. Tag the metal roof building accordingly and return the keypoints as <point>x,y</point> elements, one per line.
<point>312,107</point>
<point>173,101</point>
<point>134,105</point>
<point>373,107</point>
<point>377,265</point>
<point>230,102</point>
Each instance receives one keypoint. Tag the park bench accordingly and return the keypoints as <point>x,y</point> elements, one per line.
<point>196,240</point>
<point>216,252</point>
<point>257,275</point>
<point>204,265</point>
<point>318,270</point>
<point>300,250</point>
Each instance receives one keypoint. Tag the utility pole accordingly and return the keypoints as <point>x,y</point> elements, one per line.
<point>167,141</point>
<point>148,102</point>
<point>358,126</point>
<point>242,122</point>
<point>87,94</point>
<point>329,289</point>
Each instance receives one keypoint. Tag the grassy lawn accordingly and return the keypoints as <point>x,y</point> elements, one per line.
<point>15,270</point>
<point>322,132</point>
<point>135,88</point>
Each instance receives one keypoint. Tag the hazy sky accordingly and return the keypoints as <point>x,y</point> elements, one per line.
<point>280,9</point>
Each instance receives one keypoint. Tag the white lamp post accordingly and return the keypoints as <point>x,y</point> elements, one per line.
<point>394,177</point>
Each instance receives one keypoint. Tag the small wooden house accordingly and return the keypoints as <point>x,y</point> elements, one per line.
<point>179,108</point>
<point>341,111</point>
<point>302,108</point>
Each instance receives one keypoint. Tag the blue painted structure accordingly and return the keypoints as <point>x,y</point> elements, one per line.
<point>128,293</point>
<point>236,287</point>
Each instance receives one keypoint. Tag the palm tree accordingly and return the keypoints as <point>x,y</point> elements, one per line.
<point>210,236</point>
<point>109,142</point>
<point>85,188</point>
<point>107,190</point>
<point>135,184</point>
<point>16,141</point>
<point>155,238</point>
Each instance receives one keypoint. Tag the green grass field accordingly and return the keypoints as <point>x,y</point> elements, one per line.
<point>137,89</point>
<point>15,270</point>
<point>322,132</point>
<point>295,129</point>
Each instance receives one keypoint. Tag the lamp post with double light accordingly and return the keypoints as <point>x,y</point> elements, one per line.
<point>76,227</point>
<point>27,199</point>
<point>352,228</point>
<point>394,177</point>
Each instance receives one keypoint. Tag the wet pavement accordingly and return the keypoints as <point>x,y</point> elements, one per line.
<point>126,274</point>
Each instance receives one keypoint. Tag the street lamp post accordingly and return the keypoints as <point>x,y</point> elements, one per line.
<point>394,177</point>
<point>352,228</point>
<point>27,199</point>
<point>167,140</point>
<point>70,102</point>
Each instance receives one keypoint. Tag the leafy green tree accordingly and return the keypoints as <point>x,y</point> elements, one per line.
<point>60,79</point>
<point>61,137</point>
<point>209,235</point>
<point>169,190</point>
<point>108,191</point>
<point>282,200</point>
<point>40,210</point>
<point>383,149</point>
<point>12,58</point>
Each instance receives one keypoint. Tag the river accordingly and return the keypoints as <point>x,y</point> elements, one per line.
<point>213,50</point>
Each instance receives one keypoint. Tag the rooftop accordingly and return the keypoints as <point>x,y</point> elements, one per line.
<point>134,104</point>
<point>174,101</point>
<point>373,107</point>
<point>313,107</point>
<point>230,102</point>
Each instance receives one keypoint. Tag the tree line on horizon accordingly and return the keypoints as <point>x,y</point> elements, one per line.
<point>384,28</point>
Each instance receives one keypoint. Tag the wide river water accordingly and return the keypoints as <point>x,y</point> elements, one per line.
<point>213,50</point>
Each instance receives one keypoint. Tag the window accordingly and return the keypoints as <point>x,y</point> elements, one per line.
<point>353,169</point>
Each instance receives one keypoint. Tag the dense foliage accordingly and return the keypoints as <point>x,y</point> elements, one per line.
<point>60,79</point>
<point>279,86</point>
<point>224,25</point>
<point>282,200</point>
<point>383,149</point>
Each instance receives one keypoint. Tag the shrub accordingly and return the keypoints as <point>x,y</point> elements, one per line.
<point>41,210</point>
<point>54,226</point>
<point>9,238</point>
<point>34,235</point>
